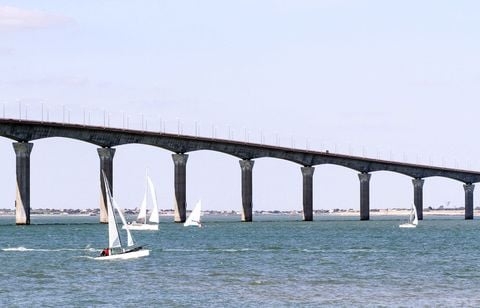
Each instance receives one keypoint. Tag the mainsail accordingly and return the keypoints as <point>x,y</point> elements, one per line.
<point>194,218</point>
<point>415,220</point>
<point>113,236</point>
<point>154,215</point>
<point>142,215</point>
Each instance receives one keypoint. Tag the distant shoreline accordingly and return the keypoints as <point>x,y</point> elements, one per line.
<point>406,213</point>
<point>336,212</point>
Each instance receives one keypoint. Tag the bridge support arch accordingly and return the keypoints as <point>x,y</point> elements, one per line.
<point>307,173</point>
<point>364,195</point>
<point>106,167</point>
<point>180,186</point>
<point>469,200</point>
<point>22,200</point>
<point>418,196</point>
<point>246,166</point>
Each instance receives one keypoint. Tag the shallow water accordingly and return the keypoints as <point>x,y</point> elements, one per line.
<point>275,261</point>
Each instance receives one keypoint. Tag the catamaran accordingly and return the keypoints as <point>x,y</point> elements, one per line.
<point>141,222</point>
<point>116,248</point>
<point>413,219</point>
<point>195,216</point>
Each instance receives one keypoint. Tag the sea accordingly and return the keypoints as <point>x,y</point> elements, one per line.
<point>275,261</point>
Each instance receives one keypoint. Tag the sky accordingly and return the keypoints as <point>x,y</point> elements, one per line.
<point>395,80</point>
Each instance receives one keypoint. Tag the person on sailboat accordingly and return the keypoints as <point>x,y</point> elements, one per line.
<point>104,253</point>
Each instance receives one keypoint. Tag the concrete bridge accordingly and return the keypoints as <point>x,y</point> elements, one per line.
<point>24,132</point>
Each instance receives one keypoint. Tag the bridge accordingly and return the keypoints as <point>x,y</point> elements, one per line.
<point>23,132</point>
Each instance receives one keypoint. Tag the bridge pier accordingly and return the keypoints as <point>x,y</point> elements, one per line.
<point>418,196</point>
<point>247,165</point>
<point>22,200</point>
<point>180,185</point>
<point>106,167</point>
<point>307,173</point>
<point>469,200</point>
<point>364,195</point>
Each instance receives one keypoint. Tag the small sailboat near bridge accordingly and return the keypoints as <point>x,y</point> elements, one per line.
<point>195,216</point>
<point>141,223</point>
<point>412,220</point>
<point>116,247</point>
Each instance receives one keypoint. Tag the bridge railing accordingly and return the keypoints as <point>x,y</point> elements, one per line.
<point>93,116</point>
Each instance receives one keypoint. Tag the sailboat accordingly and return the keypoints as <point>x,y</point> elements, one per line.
<point>141,222</point>
<point>194,218</point>
<point>413,219</point>
<point>116,248</point>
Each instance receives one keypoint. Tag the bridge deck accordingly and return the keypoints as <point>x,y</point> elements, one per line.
<point>26,131</point>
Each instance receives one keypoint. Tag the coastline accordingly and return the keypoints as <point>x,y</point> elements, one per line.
<point>390,212</point>
<point>333,213</point>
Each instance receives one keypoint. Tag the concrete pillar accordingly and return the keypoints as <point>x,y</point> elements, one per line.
<point>364,195</point>
<point>418,196</point>
<point>106,166</point>
<point>469,200</point>
<point>247,165</point>
<point>307,173</point>
<point>22,200</point>
<point>180,185</point>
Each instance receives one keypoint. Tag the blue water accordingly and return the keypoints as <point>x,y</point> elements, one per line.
<point>275,261</point>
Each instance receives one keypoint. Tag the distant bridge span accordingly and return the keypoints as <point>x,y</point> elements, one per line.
<point>24,132</point>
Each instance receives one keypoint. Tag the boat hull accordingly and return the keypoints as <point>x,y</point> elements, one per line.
<point>141,227</point>
<point>196,224</point>
<point>126,255</point>
<point>408,225</point>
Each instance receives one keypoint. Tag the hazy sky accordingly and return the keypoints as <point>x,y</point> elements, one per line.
<point>383,79</point>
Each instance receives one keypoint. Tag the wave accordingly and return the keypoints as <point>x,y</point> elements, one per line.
<point>266,249</point>
<point>208,250</point>
<point>85,257</point>
<point>24,249</point>
<point>309,250</point>
<point>17,249</point>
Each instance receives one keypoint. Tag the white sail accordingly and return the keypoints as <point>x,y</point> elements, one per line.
<point>130,241</point>
<point>176,211</point>
<point>154,216</point>
<point>412,215</point>
<point>113,236</point>
<point>194,218</point>
<point>415,220</point>
<point>142,215</point>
